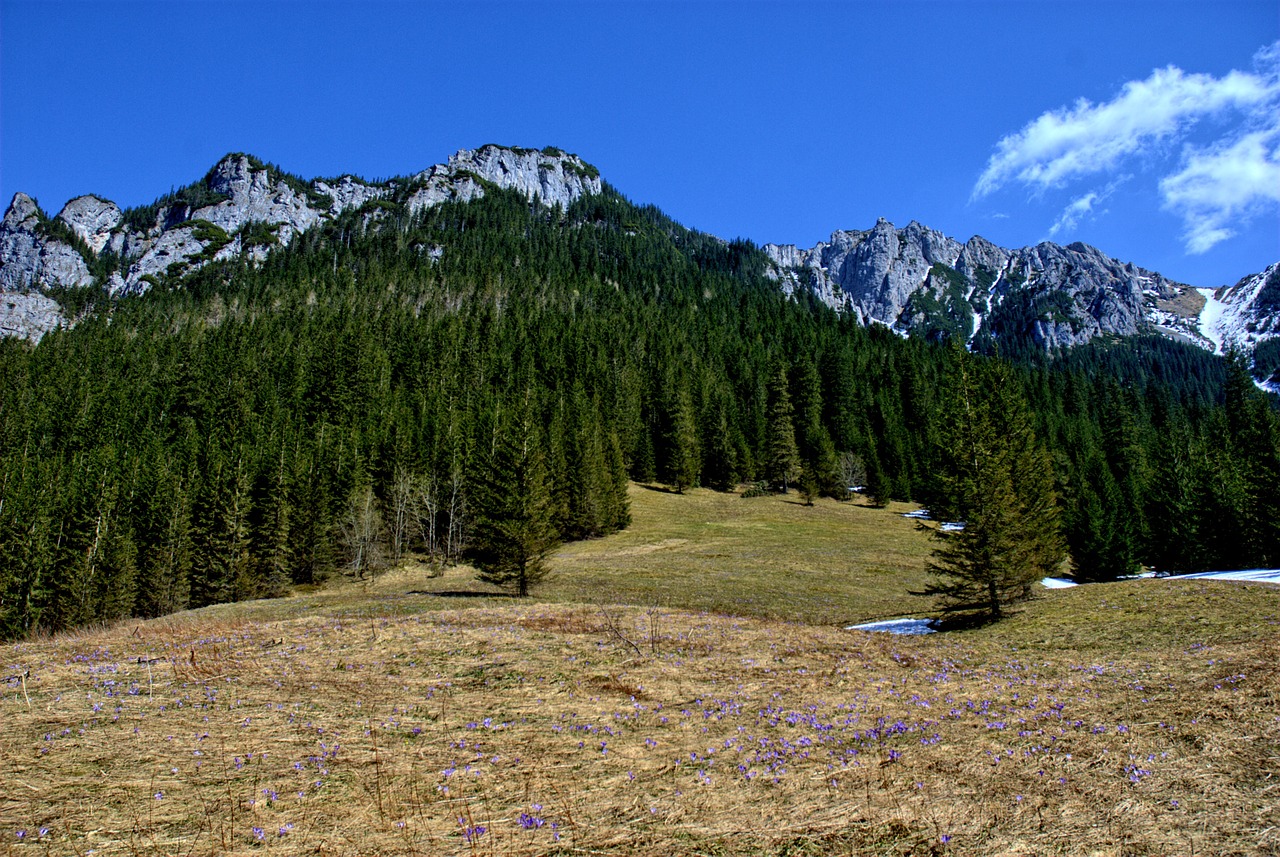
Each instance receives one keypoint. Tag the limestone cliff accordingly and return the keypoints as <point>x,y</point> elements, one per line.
<point>211,220</point>
<point>914,279</point>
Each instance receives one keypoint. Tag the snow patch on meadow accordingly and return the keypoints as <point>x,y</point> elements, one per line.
<point>898,626</point>
<point>1255,575</point>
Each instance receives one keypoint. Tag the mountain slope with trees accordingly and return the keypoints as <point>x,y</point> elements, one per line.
<point>395,380</point>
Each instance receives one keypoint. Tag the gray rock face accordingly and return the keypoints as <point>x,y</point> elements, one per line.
<point>876,272</point>
<point>979,254</point>
<point>30,259</point>
<point>255,197</point>
<point>177,246</point>
<point>22,213</point>
<point>170,246</point>
<point>91,218</point>
<point>899,277</point>
<point>349,192</point>
<point>1106,296</point>
<point>555,178</point>
<point>28,315</point>
<point>440,185</point>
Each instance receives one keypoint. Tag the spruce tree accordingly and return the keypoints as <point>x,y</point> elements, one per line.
<point>782,462</point>
<point>1002,482</point>
<point>513,528</point>
<point>684,462</point>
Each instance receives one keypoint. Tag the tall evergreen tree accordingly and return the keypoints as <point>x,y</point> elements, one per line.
<point>1002,483</point>
<point>1099,527</point>
<point>684,456</point>
<point>782,454</point>
<point>514,530</point>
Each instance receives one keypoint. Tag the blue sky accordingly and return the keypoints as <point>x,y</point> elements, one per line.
<point>1151,130</point>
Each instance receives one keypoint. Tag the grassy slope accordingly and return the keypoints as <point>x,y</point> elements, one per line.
<point>769,557</point>
<point>1134,718</point>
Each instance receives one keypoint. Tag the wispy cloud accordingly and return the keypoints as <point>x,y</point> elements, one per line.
<point>1083,207</point>
<point>1070,217</point>
<point>1224,184</point>
<point>1233,177</point>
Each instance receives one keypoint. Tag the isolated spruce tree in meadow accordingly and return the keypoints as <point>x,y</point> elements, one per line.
<point>999,478</point>
<point>514,516</point>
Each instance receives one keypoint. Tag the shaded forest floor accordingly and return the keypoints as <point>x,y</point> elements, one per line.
<point>684,687</point>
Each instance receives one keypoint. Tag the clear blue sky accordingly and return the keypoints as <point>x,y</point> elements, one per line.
<point>1151,130</point>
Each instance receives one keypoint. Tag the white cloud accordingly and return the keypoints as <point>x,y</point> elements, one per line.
<point>1070,217</point>
<point>1231,178</point>
<point>1223,184</point>
<point>1090,138</point>
<point>1084,207</point>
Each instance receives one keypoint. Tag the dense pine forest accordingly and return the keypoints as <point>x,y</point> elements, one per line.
<point>481,381</point>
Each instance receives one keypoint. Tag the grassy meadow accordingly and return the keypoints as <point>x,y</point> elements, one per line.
<point>683,687</point>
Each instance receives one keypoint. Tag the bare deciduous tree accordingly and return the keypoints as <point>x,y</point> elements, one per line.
<point>362,533</point>
<point>853,471</point>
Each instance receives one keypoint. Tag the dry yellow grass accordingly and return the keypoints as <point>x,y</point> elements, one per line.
<point>1187,303</point>
<point>1137,718</point>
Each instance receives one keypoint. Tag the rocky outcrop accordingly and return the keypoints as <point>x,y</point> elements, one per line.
<point>874,273</point>
<point>204,222</point>
<point>30,258</point>
<point>979,258</point>
<point>1103,296</point>
<point>439,185</point>
<point>551,176</point>
<point>28,315</point>
<point>917,279</point>
<point>349,192</point>
<point>255,194</point>
<point>93,219</point>
<point>173,251</point>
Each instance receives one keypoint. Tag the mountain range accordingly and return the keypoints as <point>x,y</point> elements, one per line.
<point>914,279</point>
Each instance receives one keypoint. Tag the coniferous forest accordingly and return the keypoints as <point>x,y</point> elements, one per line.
<point>481,381</point>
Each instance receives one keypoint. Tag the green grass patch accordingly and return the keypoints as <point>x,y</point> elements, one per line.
<point>767,557</point>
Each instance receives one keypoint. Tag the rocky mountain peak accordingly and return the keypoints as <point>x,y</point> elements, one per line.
<point>556,177</point>
<point>550,175</point>
<point>919,279</point>
<point>913,279</point>
<point>30,261</point>
<point>349,192</point>
<point>235,173</point>
<point>21,209</point>
<point>92,218</point>
<point>205,221</point>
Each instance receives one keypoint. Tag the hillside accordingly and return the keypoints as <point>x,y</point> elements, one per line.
<point>373,384</point>
<point>400,716</point>
<point>914,280</point>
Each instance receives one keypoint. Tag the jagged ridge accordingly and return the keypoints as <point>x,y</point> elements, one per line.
<point>914,279</point>
<point>242,207</point>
